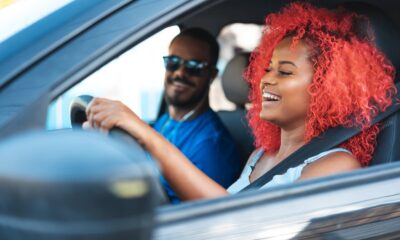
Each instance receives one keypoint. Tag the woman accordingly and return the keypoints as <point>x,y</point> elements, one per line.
<point>313,69</point>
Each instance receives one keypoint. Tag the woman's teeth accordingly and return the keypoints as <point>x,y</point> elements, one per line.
<point>270,97</point>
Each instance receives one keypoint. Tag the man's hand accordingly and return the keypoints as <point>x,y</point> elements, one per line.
<point>105,114</point>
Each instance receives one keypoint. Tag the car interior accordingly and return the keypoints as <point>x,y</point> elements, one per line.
<point>384,21</point>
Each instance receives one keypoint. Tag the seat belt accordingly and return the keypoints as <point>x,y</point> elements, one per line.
<point>328,140</point>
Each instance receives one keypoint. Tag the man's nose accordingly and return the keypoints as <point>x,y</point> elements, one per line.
<point>181,71</point>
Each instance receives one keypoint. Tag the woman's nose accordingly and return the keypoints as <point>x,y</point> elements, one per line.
<point>268,79</point>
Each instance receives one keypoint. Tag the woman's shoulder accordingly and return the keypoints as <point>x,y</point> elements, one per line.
<point>333,162</point>
<point>255,156</point>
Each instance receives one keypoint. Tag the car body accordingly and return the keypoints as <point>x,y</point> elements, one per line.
<point>41,62</point>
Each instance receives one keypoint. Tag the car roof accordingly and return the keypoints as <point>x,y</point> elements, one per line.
<point>254,11</point>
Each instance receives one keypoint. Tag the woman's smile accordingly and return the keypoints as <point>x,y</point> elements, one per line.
<point>270,99</point>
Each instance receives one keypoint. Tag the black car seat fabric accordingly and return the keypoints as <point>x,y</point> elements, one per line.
<point>236,90</point>
<point>388,142</point>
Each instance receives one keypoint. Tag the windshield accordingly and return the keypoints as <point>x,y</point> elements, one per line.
<point>23,13</point>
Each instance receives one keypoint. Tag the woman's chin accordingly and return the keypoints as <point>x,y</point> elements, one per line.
<point>269,117</point>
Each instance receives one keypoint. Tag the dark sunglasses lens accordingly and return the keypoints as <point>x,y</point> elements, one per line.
<point>194,67</point>
<point>172,63</point>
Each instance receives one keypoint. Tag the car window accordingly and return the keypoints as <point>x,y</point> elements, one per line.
<point>233,38</point>
<point>135,78</point>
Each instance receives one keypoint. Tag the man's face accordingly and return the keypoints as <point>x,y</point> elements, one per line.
<point>183,88</point>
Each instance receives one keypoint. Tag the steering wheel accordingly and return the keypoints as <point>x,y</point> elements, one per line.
<point>78,117</point>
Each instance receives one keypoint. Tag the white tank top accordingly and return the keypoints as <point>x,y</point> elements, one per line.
<point>290,176</point>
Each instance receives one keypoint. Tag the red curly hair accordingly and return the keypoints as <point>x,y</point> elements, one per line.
<point>352,79</point>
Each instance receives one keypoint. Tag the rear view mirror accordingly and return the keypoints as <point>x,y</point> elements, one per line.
<point>74,185</point>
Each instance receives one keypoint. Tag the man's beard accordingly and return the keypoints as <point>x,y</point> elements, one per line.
<point>185,103</point>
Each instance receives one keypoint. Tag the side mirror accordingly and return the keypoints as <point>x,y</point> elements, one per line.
<point>74,185</point>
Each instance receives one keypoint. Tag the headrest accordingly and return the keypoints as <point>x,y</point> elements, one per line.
<point>236,89</point>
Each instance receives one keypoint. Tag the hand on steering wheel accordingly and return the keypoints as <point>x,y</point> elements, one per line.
<point>79,109</point>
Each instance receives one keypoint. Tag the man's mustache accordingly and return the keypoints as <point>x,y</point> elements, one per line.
<point>182,80</point>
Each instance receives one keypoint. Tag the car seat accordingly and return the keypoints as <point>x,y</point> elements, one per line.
<point>236,90</point>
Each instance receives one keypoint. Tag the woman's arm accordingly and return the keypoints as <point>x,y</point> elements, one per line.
<point>185,178</point>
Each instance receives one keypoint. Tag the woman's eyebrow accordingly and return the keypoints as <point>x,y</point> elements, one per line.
<point>287,62</point>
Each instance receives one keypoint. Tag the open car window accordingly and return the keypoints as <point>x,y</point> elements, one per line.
<point>135,78</point>
<point>122,78</point>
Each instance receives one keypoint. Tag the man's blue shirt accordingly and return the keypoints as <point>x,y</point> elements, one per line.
<point>205,141</point>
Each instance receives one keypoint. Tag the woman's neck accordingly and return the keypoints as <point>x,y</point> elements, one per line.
<point>291,140</point>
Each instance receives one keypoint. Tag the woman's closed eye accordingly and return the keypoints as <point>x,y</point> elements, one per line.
<point>286,73</point>
<point>281,72</point>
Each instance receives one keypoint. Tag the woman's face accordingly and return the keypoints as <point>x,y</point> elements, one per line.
<point>285,98</point>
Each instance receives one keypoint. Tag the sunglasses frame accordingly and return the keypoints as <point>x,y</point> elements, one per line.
<point>192,66</point>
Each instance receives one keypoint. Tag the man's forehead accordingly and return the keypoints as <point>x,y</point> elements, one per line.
<point>189,47</point>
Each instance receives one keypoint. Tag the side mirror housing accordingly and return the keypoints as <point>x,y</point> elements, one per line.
<point>74,185</point>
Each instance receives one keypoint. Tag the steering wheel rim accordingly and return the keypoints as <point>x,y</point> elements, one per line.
<point>78,117</point>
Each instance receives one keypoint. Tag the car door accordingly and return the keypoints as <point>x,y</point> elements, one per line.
<point>362,204</point>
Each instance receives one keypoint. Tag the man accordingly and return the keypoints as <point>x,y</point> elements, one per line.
<point>190,124</point>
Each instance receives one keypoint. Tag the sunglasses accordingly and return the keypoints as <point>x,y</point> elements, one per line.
<point>193,67</point>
